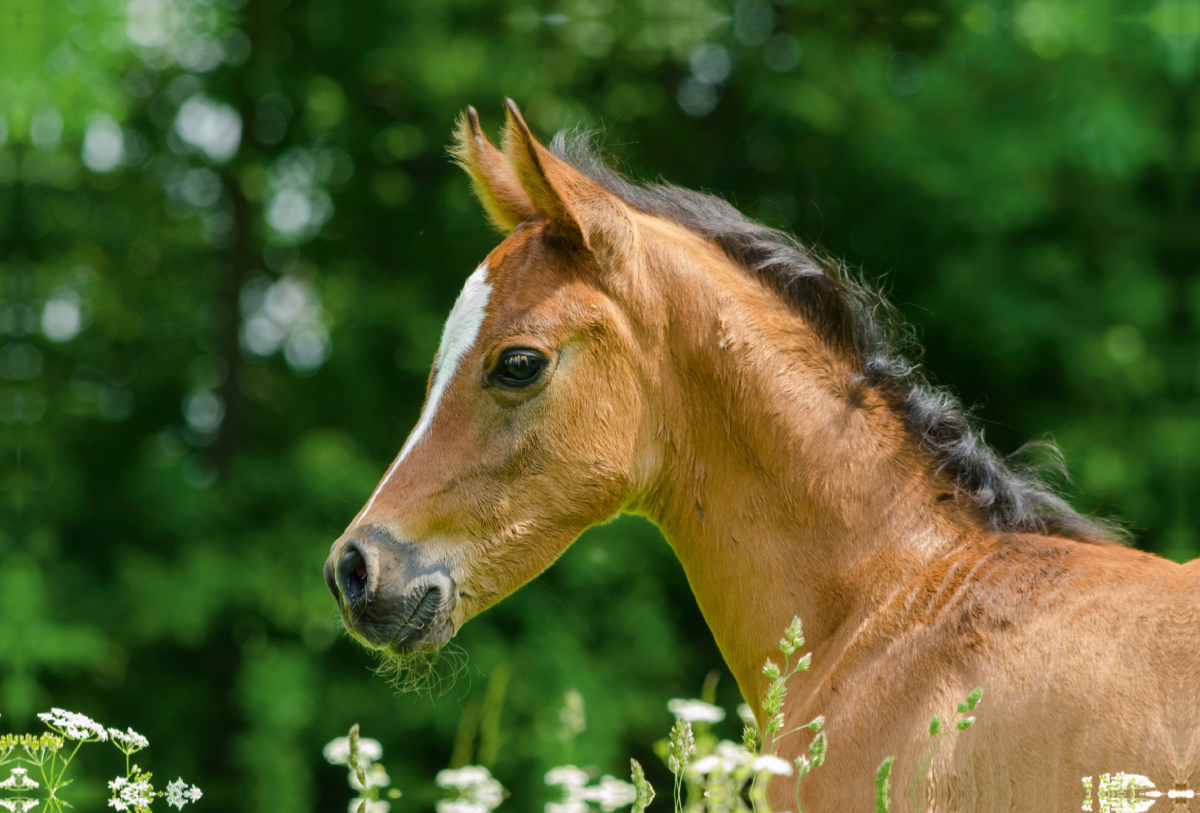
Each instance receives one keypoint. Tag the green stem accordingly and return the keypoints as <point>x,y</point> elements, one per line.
<point>42,767</point>
<point>952,725</point>
<point>779,737</point>
<point>66,763</point>
<point>912,791</point>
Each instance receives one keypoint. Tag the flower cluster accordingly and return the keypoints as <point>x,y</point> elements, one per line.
<point>727,777</point>
<point>1125,793</point>
<point>478,791</point>
<point>47,753</point>
<point>128,741</point>
<point>719,776</point>
<point>695,711</point>
<point>572,717</point>
<point>136,793</point>
<point>337,751</point>
<point>37,747</point>
<point>609,793</point>
<point>133,793</point>
<point>74,726</point>
<point>367,776</point>
<point>18,779</point>
<point>179,794</point>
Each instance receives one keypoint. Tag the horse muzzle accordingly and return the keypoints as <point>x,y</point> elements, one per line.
<point>388,598</point>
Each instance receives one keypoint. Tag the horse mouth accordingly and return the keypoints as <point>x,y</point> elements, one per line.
<point>428,626</point>
<point>402,623</point>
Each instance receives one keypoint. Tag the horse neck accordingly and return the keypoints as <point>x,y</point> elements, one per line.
<point>786,485</point>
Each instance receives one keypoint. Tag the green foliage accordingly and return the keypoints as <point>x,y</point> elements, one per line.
<point>207,359</point>
<point>883,786</point>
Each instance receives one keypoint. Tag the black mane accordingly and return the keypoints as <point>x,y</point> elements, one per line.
<point>856,316</point>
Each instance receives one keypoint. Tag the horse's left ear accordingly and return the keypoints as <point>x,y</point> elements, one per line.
<point>492,176</point>
<point>583,210</point>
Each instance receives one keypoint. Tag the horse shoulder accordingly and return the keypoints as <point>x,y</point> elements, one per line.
<point>1079,648</point>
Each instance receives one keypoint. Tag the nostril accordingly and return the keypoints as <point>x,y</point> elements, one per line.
<point>352,575</point>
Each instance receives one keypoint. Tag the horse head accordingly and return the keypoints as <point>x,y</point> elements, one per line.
<point>534,424</point>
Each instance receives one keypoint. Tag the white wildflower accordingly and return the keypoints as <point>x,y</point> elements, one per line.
<point>568,776</point>
<point>772,764</point>
<point>569,806</point>
<point>727,757</point>
<point>610,794</point>
<point>74,726</point>
<point>735,754</point>
<point>372,806</point>
<point>478,791</point>
<point>468,776</point>
<point>572,716</point>
<point>175,793</point>
<point>746,715</point>
<point>1125,792</point>
<point>19,779</point>
<point>695,711</point>
<point>19,805</point>
<point>129,741</point>
<point>337,751</point>
<point>130,795</point>
<point>461,806</point>
<point>179,794</point>
<point>377,777</point>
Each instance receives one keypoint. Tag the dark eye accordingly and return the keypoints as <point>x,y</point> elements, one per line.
<point>518,368</point>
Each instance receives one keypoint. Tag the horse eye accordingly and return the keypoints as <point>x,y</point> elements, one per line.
<point>519,367</point>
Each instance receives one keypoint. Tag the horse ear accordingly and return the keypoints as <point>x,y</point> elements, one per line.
<point>492,176</point>
<point>582,209</point>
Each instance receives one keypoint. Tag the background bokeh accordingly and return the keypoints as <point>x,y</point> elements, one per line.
<point>229,234</point>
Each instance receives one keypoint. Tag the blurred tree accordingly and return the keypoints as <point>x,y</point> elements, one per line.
<point>229,235</point>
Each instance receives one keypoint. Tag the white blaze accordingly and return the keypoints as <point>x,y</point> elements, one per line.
<point>462,328</point>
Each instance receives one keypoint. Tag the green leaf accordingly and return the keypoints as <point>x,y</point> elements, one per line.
<point>883,786</point>
<point>974,697</point>
<point>645,791</point>
<point>817,749</point>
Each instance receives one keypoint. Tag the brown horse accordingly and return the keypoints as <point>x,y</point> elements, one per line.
<point>647,349</point>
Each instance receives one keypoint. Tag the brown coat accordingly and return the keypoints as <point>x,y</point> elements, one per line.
<point>675,385</point>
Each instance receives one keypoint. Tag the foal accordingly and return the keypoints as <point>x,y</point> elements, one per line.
<point>647,349</point>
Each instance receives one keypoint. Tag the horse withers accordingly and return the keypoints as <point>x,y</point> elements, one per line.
<point>647,349</point>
